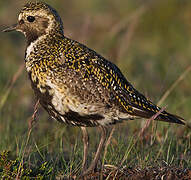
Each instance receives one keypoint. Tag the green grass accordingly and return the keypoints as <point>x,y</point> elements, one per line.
<point>151,47</point>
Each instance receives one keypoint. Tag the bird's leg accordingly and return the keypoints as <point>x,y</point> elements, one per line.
<point>99,149</point>
<point>86,143</point>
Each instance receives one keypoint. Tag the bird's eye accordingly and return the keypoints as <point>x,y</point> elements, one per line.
<point>30,18</point>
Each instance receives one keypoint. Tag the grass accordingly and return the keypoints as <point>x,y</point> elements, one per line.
<point>151,45</point>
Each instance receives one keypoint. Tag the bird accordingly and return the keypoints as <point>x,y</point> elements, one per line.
<point>75,84</point>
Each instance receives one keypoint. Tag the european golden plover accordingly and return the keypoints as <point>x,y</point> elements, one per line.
<point>74,84</point>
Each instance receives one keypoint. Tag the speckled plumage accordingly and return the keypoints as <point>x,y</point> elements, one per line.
<point>75,84</point>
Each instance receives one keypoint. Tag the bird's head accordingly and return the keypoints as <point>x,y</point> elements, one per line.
<point>36,19</point>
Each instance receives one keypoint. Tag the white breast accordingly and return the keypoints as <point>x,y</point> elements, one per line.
<point>30,48</point>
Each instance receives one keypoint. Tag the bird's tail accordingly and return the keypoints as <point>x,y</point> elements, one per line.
<point>161,116</point>
<point>167,117</point>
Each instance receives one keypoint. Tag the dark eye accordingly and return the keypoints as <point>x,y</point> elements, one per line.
<point>30,18</point>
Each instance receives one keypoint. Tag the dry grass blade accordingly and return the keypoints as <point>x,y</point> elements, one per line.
<point>181,77</point>
<point>126,41</point>
<point>14,79</point>
<point>135,15</point>
<point>148,122</point>
<point>31,122</point>
<point>140,134</point>
<point>108,142</point>
<point>122,24</point>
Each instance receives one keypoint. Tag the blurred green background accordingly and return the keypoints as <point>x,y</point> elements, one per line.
<point>149,40</point>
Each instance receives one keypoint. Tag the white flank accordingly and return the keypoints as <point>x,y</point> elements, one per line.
<point>57,98</point>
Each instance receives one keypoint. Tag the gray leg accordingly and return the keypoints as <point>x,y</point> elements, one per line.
<point>99,149</point>
<point>86,143</point>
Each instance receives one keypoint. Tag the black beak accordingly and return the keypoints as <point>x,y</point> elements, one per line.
<point>11,28</point>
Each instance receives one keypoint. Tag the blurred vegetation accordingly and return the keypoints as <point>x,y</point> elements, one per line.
<point>149,40</point>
